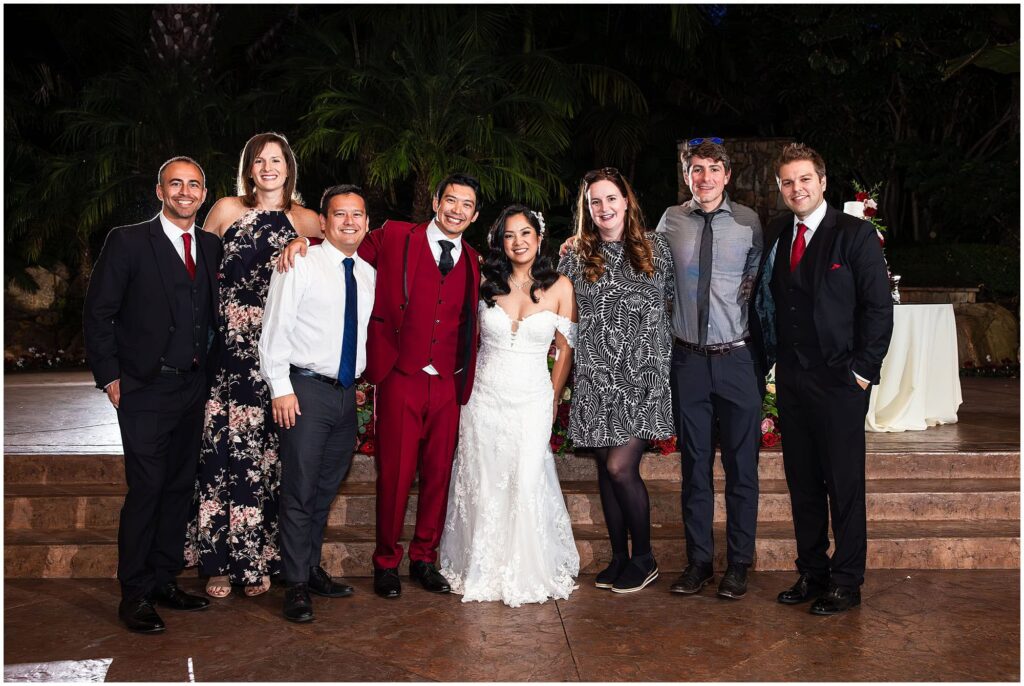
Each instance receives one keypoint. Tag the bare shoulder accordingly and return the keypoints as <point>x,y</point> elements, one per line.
<point>563,286</point>
<point>223,214</point>
<point>305,220</point>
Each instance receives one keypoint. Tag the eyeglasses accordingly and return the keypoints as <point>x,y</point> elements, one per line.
<point>698,141</point>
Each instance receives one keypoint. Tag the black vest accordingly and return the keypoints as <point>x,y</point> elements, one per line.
<point>794,304</point>
<point>190,312</point>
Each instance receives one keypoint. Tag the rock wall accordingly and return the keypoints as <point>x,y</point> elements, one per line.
<point>753,177</point>
<point>33,326</point>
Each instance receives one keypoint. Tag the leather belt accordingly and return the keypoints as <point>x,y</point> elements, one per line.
<point>712,350</point>
<point>164,369</point>
<point>313,375</point>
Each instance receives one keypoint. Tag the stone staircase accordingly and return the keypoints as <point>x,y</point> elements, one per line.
<point>941,510</point>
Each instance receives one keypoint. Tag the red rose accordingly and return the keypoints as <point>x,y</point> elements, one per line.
<point>861,197</point>
<point>367,448</point>
<point>770,440</point>
<point>870,211</point>
<point>556,443</point>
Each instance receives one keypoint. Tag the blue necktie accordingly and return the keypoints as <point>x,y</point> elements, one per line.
<point>347,370</point>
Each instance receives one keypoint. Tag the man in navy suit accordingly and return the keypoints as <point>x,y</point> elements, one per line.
<point>150,314</point>
<point>824,311</point>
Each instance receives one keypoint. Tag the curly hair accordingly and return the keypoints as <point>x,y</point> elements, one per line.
<point>588,240</point>
<point>497,267</point>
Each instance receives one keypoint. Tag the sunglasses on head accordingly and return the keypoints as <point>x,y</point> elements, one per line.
<point>698,141</point>
<point>603,171</point>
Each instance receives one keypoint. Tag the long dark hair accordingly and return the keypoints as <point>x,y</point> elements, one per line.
<point>497,267</point>
<point>588,239</point>
<point>246,187</point>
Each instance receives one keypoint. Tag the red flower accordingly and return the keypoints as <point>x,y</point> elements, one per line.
<point>770,440</point>
<point>556,443</point>
<point>367,448</point>
<point>861,197</point>
<point>870,211</point>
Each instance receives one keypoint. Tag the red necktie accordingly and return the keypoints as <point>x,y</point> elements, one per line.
<point>799,245</point>
<point>190,264</point>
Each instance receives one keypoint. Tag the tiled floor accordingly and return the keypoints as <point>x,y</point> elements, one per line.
<point>928,625</point>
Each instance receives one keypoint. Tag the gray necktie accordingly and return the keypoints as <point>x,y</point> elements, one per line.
<point>704,280</point>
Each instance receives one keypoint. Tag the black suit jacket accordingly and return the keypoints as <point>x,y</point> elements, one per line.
<point>128,318</point>
<point>852,300</point>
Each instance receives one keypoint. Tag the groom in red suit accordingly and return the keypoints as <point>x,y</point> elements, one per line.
<point>421,354</point>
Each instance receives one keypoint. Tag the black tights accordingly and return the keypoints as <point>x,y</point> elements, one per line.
<point>627,508</point>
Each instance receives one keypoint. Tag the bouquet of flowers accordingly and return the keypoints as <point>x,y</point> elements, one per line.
<point>865,207</point>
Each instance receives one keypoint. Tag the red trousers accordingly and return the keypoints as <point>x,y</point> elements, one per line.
<point>417,429</point>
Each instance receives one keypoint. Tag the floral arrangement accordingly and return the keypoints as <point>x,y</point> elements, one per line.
<point>865,206</point>
<point>770,436</point>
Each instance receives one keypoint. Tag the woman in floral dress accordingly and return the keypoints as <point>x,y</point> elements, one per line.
<point>234,537</point>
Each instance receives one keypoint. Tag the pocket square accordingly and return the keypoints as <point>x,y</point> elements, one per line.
<point>834,267</point>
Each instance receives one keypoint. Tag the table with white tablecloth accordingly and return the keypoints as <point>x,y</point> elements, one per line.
<point>920,378</point>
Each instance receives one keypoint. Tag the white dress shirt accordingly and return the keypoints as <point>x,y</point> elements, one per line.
<point>304,317</point>
<point>812,222</point>
<point>174,234</point>
<point>434,237</point>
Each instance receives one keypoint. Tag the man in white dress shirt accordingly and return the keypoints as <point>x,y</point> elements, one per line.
<point>312,349</point>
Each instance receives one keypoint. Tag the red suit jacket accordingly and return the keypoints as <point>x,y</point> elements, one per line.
<point>395,250</point>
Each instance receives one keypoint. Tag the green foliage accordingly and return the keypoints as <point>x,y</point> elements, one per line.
<point>995,267</point>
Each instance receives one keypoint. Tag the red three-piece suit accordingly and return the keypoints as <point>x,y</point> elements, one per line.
<point>420,318</point>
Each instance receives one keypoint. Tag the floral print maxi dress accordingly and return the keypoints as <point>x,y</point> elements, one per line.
<point>237,486</point>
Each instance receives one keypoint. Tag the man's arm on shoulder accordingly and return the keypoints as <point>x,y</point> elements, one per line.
<point>108,286</point>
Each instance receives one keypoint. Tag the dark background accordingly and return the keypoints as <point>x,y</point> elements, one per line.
<point>922,99</point>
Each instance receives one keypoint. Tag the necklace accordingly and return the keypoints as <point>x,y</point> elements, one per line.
<point>518,285</point>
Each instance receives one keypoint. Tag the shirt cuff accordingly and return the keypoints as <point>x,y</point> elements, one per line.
<point>110,384</point>
<point>279,387</point>
<point>861,378</point>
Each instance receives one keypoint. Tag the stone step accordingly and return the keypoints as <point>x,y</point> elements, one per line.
<point>81,506</point>
<point>92,553</point>
<point>24,469</point>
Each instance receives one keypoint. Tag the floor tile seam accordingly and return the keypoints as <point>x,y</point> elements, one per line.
<point>568,643</point>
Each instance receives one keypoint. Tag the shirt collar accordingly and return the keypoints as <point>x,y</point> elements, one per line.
<point>336,256</point>
<point>725,207</point>
<point>435,234</point>
<point>813,219</point>
<point>172,229</point>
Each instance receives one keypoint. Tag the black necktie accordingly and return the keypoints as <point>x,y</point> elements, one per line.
<point>704,280</point>
<point>446,263</point>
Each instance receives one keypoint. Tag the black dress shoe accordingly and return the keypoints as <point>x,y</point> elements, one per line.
<point>171,595</point>
<point>640,572</point>
<point>607,576</point>
<point>139,615</point>
<point>428,576</point>
<point>298,606</point>
<point>805,588</point>
<point>838,599</point>
<point>386,583</point>
<point>734,582</point>
<point>693,578</point>
<point>321,583</point>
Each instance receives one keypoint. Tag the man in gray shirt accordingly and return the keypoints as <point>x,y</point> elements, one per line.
<point>715,247</point>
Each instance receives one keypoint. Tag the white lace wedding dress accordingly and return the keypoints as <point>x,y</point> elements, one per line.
<point>507,534</point>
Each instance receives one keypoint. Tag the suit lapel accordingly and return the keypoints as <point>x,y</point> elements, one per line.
<point>827,233</point>
<point>415,244</point>
<point>165,257</point>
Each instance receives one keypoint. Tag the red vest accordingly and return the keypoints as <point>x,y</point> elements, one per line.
<point>430,332</point>
<point>403,325</point>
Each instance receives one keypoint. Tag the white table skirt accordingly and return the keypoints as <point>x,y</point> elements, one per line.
<point>920,378</point>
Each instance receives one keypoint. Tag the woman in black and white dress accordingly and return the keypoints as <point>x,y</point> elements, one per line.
<point>623,278</point>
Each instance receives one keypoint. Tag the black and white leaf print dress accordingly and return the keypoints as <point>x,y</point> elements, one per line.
<point>624,349</point>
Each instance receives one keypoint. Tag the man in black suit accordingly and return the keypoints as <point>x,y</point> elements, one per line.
<point>149,319</point>
<point>823,304</point>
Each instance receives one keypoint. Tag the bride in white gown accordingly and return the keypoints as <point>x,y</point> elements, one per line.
<point>507,534</point>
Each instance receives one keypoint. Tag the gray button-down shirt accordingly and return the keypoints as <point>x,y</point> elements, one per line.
<point>736,248</point>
